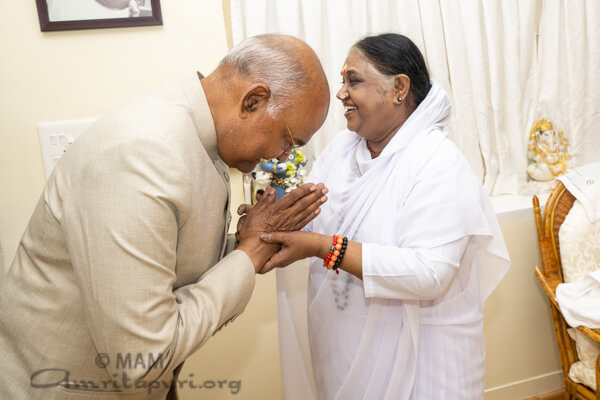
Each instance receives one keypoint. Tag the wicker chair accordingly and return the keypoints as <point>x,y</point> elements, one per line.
<point>550,275</point>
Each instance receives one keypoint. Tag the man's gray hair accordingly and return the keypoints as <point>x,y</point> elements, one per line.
<point>260,59</point>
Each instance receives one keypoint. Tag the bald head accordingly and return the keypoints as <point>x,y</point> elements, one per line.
<point>268,94</point>
<point>287,65</point>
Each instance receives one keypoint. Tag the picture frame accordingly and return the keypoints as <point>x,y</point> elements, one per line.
<point>61,15</point>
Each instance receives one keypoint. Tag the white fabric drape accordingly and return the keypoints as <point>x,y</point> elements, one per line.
<point>505,64</point>
<point>580,301</point>
<point>491,57</point>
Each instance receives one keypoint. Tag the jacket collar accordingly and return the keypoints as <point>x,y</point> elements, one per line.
<point>203,119</point>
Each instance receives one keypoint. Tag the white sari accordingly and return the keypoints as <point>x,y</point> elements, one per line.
<point>367,342</point>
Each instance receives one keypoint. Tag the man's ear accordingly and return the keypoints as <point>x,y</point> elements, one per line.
<point>401,87</point>
<point>256,97</point>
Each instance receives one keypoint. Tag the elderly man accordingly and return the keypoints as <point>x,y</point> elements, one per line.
<point>120,274</point>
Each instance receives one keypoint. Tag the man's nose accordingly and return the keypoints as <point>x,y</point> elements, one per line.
<point>284,155</point>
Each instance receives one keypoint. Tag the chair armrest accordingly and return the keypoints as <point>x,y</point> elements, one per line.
<point>593,334</point>
<point>598,377</point>
<point>549,283</point>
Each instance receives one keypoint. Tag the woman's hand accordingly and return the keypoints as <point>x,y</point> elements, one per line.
<point>294,246</point>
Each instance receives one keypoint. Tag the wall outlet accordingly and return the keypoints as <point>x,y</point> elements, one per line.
<point>57,137</point>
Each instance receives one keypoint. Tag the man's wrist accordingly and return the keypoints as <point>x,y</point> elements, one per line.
<point>251,253</point>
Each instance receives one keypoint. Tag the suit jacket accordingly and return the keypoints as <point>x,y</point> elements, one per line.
<point>120,274</point>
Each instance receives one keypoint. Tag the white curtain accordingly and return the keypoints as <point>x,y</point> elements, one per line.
<point>504,63</point>
<point>569,74</point>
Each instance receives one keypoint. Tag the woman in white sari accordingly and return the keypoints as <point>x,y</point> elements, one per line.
<point>403,319</point>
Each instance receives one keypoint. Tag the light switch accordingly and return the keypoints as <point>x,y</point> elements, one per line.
<point>57,137</point>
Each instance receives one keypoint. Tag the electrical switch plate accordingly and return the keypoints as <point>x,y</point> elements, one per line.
<point>57,137</point>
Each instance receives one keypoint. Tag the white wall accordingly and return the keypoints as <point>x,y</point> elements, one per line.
<point>522,357</point>
<point>57,76</point>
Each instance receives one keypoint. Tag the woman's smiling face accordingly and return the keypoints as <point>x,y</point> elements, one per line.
<point>367,96</point>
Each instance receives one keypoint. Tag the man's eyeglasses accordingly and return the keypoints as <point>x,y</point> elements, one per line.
<point>292,142</point>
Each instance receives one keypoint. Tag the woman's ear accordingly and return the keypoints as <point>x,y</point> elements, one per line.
<point>256,97</point>
<point>401,88</point>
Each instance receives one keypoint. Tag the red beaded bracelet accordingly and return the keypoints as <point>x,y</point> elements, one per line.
<point>336,252</point>
<point>342,251</point>
<point>331,250</point>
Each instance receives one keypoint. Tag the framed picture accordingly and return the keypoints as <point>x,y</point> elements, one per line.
<point>61,15</point>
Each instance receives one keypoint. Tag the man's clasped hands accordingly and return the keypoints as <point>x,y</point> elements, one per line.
<point>288,214</point>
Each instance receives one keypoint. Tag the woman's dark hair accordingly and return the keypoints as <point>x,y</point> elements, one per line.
<point>394,54</point>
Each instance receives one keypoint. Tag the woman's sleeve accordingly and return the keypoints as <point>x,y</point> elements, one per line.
<point>410,274</point>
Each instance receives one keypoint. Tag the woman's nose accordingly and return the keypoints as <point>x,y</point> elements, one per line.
<point>342,94</point>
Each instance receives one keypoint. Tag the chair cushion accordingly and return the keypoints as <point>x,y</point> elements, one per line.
<point>583,371</point>
<point>580,257</point>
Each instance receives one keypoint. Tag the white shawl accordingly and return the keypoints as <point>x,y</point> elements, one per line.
<point>409,196</point>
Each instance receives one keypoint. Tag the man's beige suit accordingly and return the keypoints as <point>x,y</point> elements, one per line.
<point>119,276</point>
